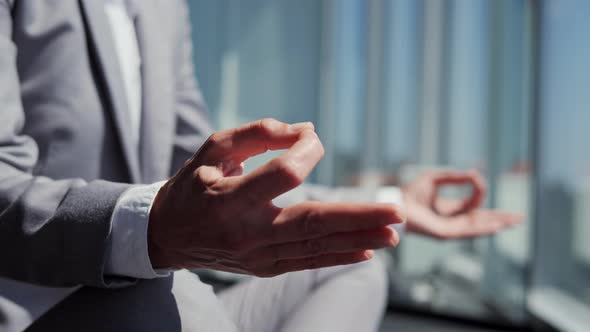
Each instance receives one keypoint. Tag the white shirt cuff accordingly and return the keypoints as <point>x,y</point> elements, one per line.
<point>128,251</point>
<point>392,195</point>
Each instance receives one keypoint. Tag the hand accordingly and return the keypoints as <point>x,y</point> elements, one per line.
<point>434,216</point>
<point>209,215</point>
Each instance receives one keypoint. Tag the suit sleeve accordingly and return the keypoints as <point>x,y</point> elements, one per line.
<point>52,232</point>
<point>193,125</point>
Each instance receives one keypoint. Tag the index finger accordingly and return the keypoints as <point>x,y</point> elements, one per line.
<point>251,139</point>
<point>284,172</point>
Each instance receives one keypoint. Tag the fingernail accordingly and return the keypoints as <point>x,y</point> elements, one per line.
<point>394,240</point>
<point>400,211</point>
<point>301,125</point>
<point>369,254</point>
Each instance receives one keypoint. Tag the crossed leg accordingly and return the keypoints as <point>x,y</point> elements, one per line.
<point>343,298</point>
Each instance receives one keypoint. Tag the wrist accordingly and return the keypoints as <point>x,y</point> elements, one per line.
<point>156,253</point>
<point>158,258</point>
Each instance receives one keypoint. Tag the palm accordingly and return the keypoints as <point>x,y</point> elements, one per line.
<point>431,215</point>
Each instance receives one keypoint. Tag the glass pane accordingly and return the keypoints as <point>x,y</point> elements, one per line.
<point>509,169</point>
<point>402,44</point>
<point>564,158</point>
<point>394,86</point>
<point>342,125</point>
<point>483,122</point>
<point>467,83</point>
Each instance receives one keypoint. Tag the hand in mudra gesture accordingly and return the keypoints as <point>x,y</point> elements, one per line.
<point>432,215</point>
<point>210,215</point>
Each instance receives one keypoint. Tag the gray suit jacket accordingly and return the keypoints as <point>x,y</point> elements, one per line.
<point>65,151</point>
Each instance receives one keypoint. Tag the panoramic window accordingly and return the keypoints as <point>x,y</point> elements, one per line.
<point>398,87</point>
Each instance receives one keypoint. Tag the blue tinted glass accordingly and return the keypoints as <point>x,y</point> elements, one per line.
<point>564,152</point>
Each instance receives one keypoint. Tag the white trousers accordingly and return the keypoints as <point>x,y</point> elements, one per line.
<point>345,298</point>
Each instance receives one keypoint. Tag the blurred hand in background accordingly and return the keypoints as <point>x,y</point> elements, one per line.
<point>432,215</point>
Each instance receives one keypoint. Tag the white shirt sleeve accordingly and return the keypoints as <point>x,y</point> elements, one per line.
<point>392,195</point>
<point>128,250</point>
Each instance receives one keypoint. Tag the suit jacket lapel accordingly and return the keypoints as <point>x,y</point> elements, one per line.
<point>104,50</point>
<point>157,127</point>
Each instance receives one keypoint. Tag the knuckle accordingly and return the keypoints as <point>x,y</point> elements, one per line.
<point>288,172</point>
<point>215,139</point>
<point>199,180</point>
<point>310,224</point>
<point>199,174</point>
<point>269,123</point>
<point>203,150</point>
<point>215,146</point>
<point>212,147</point>
<point>267,126</point>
